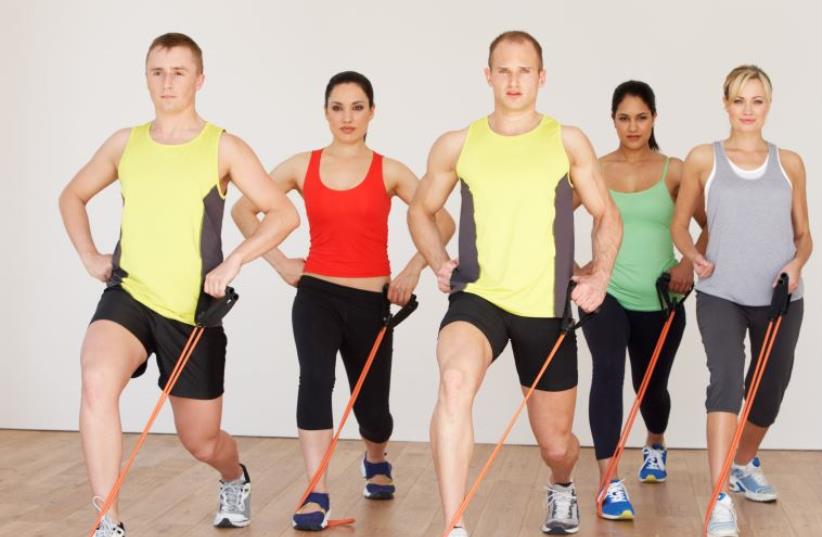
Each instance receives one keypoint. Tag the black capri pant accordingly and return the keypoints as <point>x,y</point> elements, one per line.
<point>328,318</point>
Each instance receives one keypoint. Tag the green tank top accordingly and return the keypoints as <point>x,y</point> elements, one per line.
<point>647,249</point>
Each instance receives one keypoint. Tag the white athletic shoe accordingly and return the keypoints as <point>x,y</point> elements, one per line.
<point>458,532</point>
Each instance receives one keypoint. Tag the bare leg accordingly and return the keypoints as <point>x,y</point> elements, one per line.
<point>198,426</point>
<point>552,416</point>
<point>109,356</point>
<point>464,355</point>
<point>721,427</point>
<point>752,436</point>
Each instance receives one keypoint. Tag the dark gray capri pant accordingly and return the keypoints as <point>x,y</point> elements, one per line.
<point>724,325</point>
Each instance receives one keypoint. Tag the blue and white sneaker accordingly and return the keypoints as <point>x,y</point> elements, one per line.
<point>751,481</point>
<point>617,505</point>
<point>458,531</point>
<point>383,490</point>
<point>314,519</point>
<point>723,518</point>
<point>653,469</point>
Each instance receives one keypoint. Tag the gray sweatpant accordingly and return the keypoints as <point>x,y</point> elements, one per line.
<point>724,325</point>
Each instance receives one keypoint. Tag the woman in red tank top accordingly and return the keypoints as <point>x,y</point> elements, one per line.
<point>339,305</point>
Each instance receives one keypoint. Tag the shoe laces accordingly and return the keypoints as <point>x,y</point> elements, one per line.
<point>231,496</point>
<point>616,492</point>
<point>106,528</point>
<point>723,513</point>
<point>560,501</point>
<point>653,459</point>
<point>757,475</point>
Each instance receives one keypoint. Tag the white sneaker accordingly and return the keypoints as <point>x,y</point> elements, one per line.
<point>458,532</point>
<point>723,518</point>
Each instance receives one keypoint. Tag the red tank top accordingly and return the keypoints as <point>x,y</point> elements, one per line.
<point>349,228</point>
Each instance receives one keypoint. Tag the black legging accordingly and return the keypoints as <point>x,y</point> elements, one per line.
<point>609,333</point>
<point>328,318</point>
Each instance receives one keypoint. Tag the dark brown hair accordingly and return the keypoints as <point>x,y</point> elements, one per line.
<point>515,36</point>
<point>171,40</point>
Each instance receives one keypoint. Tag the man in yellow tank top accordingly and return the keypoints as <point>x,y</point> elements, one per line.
<point>173,174</point>
<point>516,169</point>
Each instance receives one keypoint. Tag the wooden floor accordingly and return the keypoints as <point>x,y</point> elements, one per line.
<point>43,492</point>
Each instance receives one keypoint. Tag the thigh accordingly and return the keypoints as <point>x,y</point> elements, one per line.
<point>463,354</point>
<point>364,321</point>
<point>118,341</point>
<point>646,329</point>
<point>487,319</point>
<point>197,420</point>
<point>204,374</point>
<point>606,334</point>
<point>723,327</point>
<point>532,340</point>
<point>551,414</point>
<point>777,374</point>
<point>318,333</point>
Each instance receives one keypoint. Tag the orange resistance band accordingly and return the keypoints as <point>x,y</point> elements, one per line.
<point>333,445</point>
<point>761,364</point>
<point>475,487</point>
<point>626,429</point>
<point>193,339</point>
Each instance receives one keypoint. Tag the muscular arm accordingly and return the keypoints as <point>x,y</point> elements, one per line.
<point>429,199</point>
<point>405,186</point>
<point>239,162</point>
<point>97,174</point>
<point>244,213</point>
<point>607,230</point>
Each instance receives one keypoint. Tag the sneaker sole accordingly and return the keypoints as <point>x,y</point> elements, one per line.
<point>750,495</point>
<point>625,515</point>
<point>559,531</point>
<point>652,479</point>
<point>228,523</point>
<point>312,527</point>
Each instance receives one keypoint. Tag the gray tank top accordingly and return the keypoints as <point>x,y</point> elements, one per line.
<point>750,230</point>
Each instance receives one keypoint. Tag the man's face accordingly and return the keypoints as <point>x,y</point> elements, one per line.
<point>173,78</point>
<point>515,75</point>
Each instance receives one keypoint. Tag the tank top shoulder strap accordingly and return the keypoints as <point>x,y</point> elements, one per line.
<point>721,164</point>
<point>375,177</point>
<point>665,170</point>
<point>312,172</point>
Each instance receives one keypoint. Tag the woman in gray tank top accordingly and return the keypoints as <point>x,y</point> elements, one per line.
<point>754,195</point>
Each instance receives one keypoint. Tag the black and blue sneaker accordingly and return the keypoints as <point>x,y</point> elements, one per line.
<point>314,513</point>
<point>379,484</point>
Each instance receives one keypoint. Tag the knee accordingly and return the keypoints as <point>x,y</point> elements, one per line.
<point>456,389</point>
<point>376,428</point>
<point>97,388</point>
<point>203,448</point>
<point>557,450</point>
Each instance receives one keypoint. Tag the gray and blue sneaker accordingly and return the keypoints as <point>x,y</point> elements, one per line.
<point>381,488</point>
<point>234,506</point>
<point>654,459</point>
<point>751,481</point>
<point>107,527</point>
<point>617,505</point>
<point>723,518</point>
<point>563,510</point>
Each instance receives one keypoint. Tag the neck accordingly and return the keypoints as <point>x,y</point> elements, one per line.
<point>746,141</point>
<point>347,149</point>
<point>513,122</point>
<point>634,155</point>
<point>170,123</point>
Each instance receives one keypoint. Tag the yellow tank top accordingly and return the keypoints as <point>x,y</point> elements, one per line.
<point>516,239</point>
<point>172,220</point>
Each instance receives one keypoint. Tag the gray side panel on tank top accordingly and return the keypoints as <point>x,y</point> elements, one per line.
<point>750,231</point>
<point>468,270</point>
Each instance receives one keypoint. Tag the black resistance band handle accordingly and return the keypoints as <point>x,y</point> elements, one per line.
<point>663,284</point>
<point>568,324</point>
<point>393,320</point>
<point>217,309</point>
<point>781,297</point>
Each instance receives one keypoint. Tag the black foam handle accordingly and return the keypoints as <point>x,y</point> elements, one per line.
<point>663,284</point>
<point>219,308</point>
<point>781,297</point>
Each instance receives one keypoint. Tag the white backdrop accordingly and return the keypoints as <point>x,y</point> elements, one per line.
<point>74,74</point>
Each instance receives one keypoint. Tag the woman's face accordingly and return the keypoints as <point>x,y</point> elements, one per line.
<point>634,122</point>
<point>748,110</point>
<point>348,112</point>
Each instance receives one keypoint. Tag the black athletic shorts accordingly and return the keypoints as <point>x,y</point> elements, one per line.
<point>532,338</point>
<point>203,375</point>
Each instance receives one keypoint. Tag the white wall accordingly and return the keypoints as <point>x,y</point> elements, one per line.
<point>74,74</point>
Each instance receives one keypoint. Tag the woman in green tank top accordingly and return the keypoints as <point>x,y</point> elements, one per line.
<point>644,184</point>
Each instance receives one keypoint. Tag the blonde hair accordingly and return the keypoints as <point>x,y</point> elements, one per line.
<point>740,76</point>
